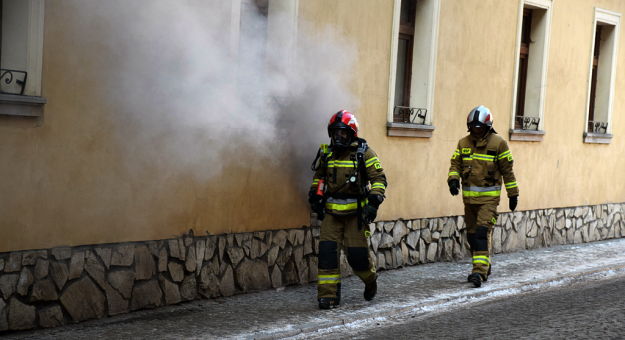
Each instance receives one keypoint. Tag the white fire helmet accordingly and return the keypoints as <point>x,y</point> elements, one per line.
<point>480,116</point>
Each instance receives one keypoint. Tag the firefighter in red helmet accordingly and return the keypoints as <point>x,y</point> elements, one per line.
<point>483,161</point>
<point>347,189</point>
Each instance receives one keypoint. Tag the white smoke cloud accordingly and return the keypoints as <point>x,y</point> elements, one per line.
<point>183,101</point>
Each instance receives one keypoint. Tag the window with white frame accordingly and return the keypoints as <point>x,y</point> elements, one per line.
<point>602,76</point>
<point>21,47</point>
<point>530,73</point>
<point>413,68</point>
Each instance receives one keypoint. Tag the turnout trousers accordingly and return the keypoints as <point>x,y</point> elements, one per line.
<point>480,219</point>
<point>337,231</point>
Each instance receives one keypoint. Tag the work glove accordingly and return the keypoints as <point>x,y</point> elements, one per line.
<point>514,200</point>
<point>454,187</point>
<point>370,214</point>
<point>371,209</point>
<point>316,202</point>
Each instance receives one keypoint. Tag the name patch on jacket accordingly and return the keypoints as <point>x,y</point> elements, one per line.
<point>466,150</point>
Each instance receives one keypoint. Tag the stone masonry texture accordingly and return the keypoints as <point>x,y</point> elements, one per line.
<point>53,287</point>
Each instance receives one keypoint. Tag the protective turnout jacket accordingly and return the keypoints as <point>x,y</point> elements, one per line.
<point>336,170</point>
<point>483,165</point>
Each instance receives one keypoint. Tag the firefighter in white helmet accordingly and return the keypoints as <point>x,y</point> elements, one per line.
<point>483,162</point>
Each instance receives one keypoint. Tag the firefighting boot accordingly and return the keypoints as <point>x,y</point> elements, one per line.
<point>476,279</point>
<point>328,303</point>
<point>371,289</point>
<point>487,274</point>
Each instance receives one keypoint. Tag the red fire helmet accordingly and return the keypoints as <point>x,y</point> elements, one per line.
<point>343,120</point>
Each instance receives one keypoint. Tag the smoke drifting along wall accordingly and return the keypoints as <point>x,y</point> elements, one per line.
<point>187,97</point>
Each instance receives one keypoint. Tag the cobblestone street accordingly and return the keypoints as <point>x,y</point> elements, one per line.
<point>435,294</point>
<point>592,308</point>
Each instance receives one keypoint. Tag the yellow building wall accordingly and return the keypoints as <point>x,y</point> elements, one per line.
<point>475,66</point>
<point>66,178</point>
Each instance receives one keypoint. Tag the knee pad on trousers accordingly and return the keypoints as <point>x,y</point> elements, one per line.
<point>328,256</point>
<point>471,240</point>
<point>481,239</point>
<point>358,258</point>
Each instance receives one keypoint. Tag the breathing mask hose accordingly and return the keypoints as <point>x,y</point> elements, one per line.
<point>314,166</point>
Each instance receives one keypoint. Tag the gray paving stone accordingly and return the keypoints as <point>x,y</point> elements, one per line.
<point>174,250</point>
<point>188,288</point>
<point>123,255</point>
<point>105,255</point>
<point>21,316</point>
<point>41,269</point>
<point>59,274</point>
<point>208,285</point>
<point>76,265</point>
<point>14,264</point>
<point>115,301</point>
<point>170,290</point>
<point>279,238</point>
<point>123,281</point>
<point>162,260</point>
<point>210,248</point>
<point>226,285</point>
<point>253,275</point>
<point>176,271</point>
<point>62,253</point>
<point>25,281</point>
<point>51,317</point>
<point>200,249</point>
<point>44,291</point>
<point>191,261</point>
<point>83,300</point>
<point>95,270</point>
<point>8,283</point>
<point>147,294</point>
<point>4,323</point>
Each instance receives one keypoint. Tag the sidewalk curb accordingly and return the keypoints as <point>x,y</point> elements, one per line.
<point>432,303</point>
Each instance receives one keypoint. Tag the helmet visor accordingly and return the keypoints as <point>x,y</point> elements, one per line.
<point>477,124</point>
<point>340,137</point>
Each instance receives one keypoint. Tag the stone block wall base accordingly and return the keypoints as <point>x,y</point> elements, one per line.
<point>66,285</point>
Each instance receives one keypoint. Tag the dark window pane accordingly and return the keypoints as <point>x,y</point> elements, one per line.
<point>400,79</point>
<point>518,88</point>
<point>593,98</point>
<point>404,13</point>
<point>523,64</point>
<point>593,80</point>
<point>597,41</point>
<point>525,30</point>
<point>520,98</point>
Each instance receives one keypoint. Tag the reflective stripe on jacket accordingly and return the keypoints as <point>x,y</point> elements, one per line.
<point>483,165</point>
<point>340,168</point>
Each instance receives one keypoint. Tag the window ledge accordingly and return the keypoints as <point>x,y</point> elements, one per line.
<point>527,135</point>
<point>597,138</point>
<point>14,105</point>
<point>409,130</point>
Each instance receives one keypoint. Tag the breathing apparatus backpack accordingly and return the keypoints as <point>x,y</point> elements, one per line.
<point>321,159</point>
